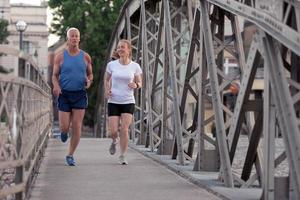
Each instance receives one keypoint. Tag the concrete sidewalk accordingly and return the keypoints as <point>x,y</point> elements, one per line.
<point>204,179</point>
<point>99,176</point>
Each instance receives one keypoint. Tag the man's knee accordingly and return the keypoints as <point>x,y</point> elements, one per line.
<point>76,126</point>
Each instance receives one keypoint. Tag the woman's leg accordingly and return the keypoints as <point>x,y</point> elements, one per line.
<point>126,120</point>
<point>113,124</point>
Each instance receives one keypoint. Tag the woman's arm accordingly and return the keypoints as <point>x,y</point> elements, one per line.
<point>138,80</point>
<point>107,85</point>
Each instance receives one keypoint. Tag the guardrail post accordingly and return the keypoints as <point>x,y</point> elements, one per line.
<point>19,169</point>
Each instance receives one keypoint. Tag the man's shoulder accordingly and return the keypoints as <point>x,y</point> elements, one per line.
<point>59,55</point>
<point>86,55</point>
<point>61,52</point>
<point>84,52</point>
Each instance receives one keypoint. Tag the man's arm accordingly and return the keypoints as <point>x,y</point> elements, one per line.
<point>55,75</point>
<point>89,70</point>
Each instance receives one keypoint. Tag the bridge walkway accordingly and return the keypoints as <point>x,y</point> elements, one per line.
<point>99,176</point>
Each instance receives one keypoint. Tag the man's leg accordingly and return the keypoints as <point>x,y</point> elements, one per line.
<point>64,115</point>
<point>77,118</point>
<point>64,124</point>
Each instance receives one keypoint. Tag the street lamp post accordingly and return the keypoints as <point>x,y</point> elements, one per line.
<point>21,27</point>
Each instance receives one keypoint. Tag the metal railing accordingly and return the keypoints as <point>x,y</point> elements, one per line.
<point>25,125</point>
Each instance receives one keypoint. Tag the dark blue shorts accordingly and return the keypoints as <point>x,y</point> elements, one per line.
<point>117,109</point>
<point>69,100</point>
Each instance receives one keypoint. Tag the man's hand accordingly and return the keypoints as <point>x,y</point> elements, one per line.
<point>88,83</point>
<point>56,91</point>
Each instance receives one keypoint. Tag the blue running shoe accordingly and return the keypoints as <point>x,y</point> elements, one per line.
<point>70,160</point>
<point>63,136</point>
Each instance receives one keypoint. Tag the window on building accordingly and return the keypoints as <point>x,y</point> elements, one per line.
<point>27,47</point>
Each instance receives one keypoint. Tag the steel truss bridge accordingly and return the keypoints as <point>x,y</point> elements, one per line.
<point>182,46</point>
<point>184,109</point>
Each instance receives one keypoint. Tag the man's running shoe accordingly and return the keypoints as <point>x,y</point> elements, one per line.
<point>63,137</point>
<point>122,160</point>
<point>70,160</point>
<point>112,148</point>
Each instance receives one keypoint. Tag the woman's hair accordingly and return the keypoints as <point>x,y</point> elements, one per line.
<point>128,45</point>
<point>114,55</point>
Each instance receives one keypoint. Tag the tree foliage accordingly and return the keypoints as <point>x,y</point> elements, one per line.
<point>95,19</point>
<point>3,31</point>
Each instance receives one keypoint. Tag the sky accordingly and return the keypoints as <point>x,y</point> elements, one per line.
<point>34,2</point>
<point>52,38</point>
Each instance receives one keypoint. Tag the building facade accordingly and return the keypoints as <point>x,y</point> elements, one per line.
<point>35,37</point>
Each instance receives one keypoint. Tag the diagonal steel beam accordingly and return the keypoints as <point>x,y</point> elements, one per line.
<point>283,101</point>
<point>212,69</point>
<point>170,51</point>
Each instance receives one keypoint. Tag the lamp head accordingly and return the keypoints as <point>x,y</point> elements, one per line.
<point>21,26</point>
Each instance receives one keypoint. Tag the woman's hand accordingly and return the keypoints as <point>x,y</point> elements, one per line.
<point>107,94</point>
<point>132,85</point>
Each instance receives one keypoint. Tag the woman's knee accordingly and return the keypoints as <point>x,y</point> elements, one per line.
<point>124,129</point>
<point>124,134</point>
<point>113,131</point>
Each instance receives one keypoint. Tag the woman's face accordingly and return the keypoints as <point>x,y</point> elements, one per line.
<point>123,49</point>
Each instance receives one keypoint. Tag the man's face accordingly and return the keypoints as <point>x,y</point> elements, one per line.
<point>74,38</point>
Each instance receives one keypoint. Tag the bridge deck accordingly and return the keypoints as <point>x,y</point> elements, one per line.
<point>99,176</point>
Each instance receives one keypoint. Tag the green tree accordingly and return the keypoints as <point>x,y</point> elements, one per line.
<point>3,35</point>
<point>3,31</point>
<point>95,19</point>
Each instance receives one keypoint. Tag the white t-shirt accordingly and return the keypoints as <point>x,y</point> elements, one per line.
<point>121,75</point>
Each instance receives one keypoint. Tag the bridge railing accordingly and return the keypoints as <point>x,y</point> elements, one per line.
<point>25,124</point>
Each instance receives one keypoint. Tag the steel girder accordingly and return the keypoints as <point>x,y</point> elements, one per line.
<point>182,47</point>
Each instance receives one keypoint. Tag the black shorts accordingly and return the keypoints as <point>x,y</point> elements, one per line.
<point>115,109</point>
<point>69,100</point>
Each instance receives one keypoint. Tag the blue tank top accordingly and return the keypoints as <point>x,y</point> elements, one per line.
<point>73,72</point>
